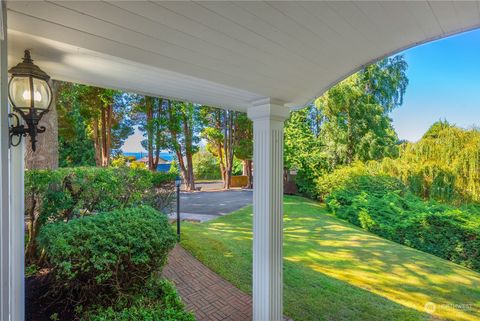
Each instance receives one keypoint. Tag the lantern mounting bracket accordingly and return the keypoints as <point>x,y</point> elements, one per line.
<point>16,129</point>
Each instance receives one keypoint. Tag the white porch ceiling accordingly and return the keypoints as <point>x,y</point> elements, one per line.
<point>225,54</point>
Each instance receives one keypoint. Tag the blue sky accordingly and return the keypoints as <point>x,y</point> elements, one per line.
<point>444,84</point>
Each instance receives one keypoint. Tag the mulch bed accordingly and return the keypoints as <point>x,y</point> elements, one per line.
<point>39,308</point>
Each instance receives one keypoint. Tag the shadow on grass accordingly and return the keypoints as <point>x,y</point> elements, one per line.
<point>335,271</point>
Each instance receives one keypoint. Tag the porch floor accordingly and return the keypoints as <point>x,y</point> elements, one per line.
<point>205,293</point>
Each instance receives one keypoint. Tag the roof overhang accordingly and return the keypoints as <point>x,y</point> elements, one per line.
<point>225,54</point>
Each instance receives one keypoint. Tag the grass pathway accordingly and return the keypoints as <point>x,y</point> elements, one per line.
<point>336,271</point>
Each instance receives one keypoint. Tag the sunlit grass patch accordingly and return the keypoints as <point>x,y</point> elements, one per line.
<point>336,271</point>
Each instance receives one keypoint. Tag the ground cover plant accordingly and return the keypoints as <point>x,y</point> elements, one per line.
<point>106,266</point>
<point>158,301</point>
<point>336,271</point>
<point>383,205</point>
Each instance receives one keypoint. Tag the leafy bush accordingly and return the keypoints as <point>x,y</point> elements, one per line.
<point>384,206</point>
<point>138,165</point>
<point>160,179</point>
<point>206,166</point>
<point>428,180</point>
<point>158,301</point>
<point>326,184</point>
<point>66,193</point>
<point>443,166</point>
<point>105,254</point>
<point>119,161</point>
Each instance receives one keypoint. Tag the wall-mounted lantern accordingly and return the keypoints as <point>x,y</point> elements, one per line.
<point>30,96</point>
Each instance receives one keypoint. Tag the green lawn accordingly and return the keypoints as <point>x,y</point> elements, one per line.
<point>336,271</point>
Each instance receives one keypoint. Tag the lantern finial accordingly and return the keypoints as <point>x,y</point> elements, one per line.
<point>26,56</point>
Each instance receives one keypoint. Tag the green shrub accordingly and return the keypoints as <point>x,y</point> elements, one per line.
<point>119,161</point>
<point>159,179</point>
<point>138,165</point>
<point>428,180</point>
<point>105,254</point>
<point>443,166</point>
<point>157,301</point>
<point>384,206</point>
<point>326,184</point>
<point>66,193</point>
<point>206,166</point>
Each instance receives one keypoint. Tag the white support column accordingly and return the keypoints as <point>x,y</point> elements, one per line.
<point>17,232</point>
<point>5,236</point>
<point>11,202</point>
<point>268,118</point>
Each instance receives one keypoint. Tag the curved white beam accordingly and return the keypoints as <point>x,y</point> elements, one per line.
<point>226,53</point>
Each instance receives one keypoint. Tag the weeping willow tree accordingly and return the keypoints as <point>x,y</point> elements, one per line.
<point>444,164</point>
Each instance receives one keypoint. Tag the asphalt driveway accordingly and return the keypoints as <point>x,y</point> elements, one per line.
<point>204,206</point>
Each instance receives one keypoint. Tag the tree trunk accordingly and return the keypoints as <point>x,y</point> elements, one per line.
<point>249,173</point>
<point>158,131</point>
<point>46,155</point>
<point>96,143</point>
<point>226,185</point>
<point>181,164</point>
<point>350,145</point>
<point>228,147</point>
<point>109,134</point>
<point>189,179</point>
<point>175,144</point>
<point>190,183</point>
<point>33,225</point>
<point>221,163</point>
<point>104,137</point>
<point>218,126</point>
<point>149,114</point>
<point>157,158</point>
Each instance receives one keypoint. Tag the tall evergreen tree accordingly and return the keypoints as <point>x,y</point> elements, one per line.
<point>104,114</point>
<point>349,122</point>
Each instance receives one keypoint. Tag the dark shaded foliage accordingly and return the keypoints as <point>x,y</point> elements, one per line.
<point>157,301</point>
<point>105,255</point>
<point>383,205</point>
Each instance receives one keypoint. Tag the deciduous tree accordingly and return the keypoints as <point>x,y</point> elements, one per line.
<point>349,122</point>
<point>183,124</point>
<point>104,113</point>
<point>149,114</point>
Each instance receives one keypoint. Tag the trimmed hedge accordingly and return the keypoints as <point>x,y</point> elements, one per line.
<point>158,301</point>
<point>104,255</point>
<point>67,193</point>
<point>384,206</point>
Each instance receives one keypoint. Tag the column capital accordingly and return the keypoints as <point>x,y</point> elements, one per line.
<point>268,108</point>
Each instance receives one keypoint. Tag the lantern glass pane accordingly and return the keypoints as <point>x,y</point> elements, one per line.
<point>20,91</point>
<point>42,93</point>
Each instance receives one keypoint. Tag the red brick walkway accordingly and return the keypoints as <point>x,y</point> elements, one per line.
<point>205,293</point>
